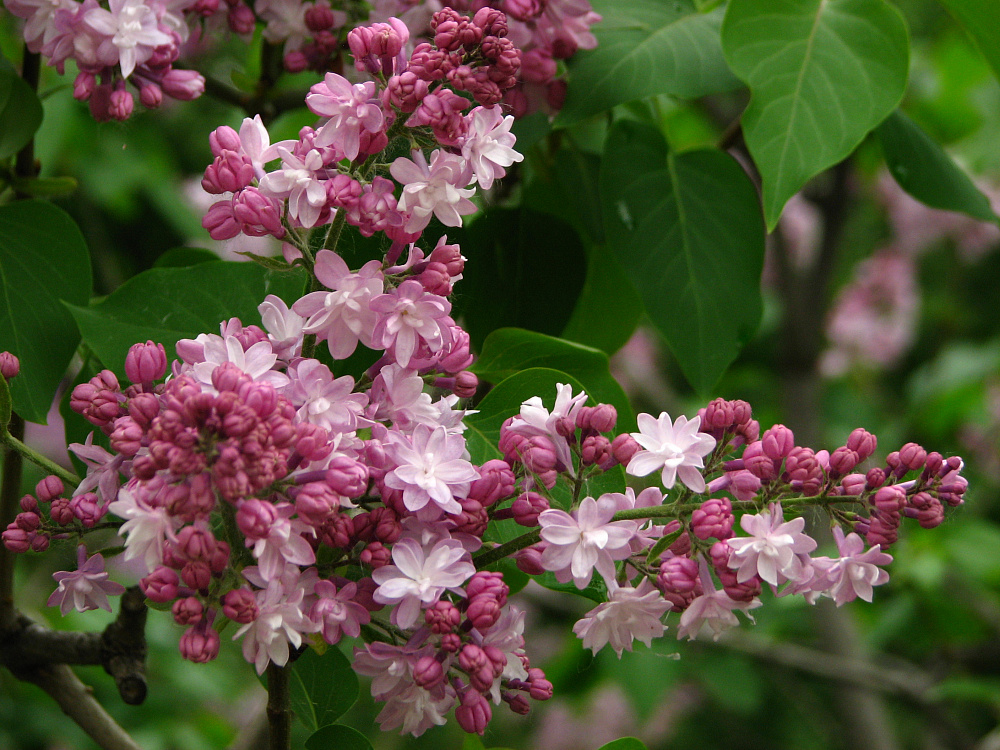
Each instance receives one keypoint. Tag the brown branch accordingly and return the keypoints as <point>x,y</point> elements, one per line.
<point>279,715</point>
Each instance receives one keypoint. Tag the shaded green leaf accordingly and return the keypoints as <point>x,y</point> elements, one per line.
<point>182,257</point>
<point>981,19</point>
<point>338,737</point>
<point>508,351</point>
<point>44,187</point>
<point>925,171</point>
<point>20,111</point>
<point>625,743</point>
<point>661,545</point>
<point>822,74</point>
<point>322,687</point>
<point>644,48</point>
<point>596,591</point>
<point>43,261</point>
<point>525,269</point>
<point>688,230</point>
<point>169,304</point>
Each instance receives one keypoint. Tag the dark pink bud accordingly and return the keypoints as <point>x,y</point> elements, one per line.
<point>883,529</point>
<point>16,539</point>
<point>239,605</point>
<point>843,460</point>
<point>121,104</point>
<point>126,437</point>
<point>492,21</point>
<point>451,642</point>
<point>474,713</point>
<point>862,442</point>
<point>10,366</point>
<point>49,488</point>
<point>84,86</point>
<point>196,543</point>
<point>624,447</point>
<point>483,612</point>
<point>912,456</point>
<point>375,555</point>
<point>518,703</point>
<point>200,643</point>
<point>927,509</point>
<point>853,484</point>
<point>758,463</point>
<point>428,672</point>
<point>185,85</point>
<point>87,509</point>
<point>874,479</point>
<point>442,616</point>
<point>255,518</point>
<point>777,442</point>
<point>40,542</point>
<point>28,521</point>
<point>151,96</point>
<point>224,138</point>
<point>595,449</point>
<point>803,470</point>
<point>347,476</point>
<point>143,408</point>
<point>220,220</point>
<point>29,504</point>
<point>496,481</point>
<point>527,507</point>
<point>466,384</point>
<point>315,502</point>
<point>890,499</point>
<point>60,512</point>
<point>488,582</point>
<point>187,611</point>
<point>197,575</point>
<point>473,519</point>
<point>541,689</point>
<point>529,561</point>
<point>145,363</point>
<point>713,519</point>
<point>258,214</point>
<point>603,418</point>
<point>160,586</point>
<point>320,18</point>
<point>679,581</point>
<point>337,531</point>
<point>229,173</point>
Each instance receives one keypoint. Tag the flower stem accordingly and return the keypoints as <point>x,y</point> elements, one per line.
<point>14,444</point>
<point>279,715</point>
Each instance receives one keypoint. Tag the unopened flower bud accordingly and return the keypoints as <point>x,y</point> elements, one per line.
<point>777,442</point>
<point>474,713</point>
<point>200,643</point>
<point>145,363</point>
<point>428,672</point>
<point>527,507</point>
<point>49,488</point>
<point>161,585</point>
<point>239,605</point>
<point>187,611</point>
<point>10,366</point>
<point>863,443</point>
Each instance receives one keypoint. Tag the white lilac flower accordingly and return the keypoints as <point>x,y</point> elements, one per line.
<point>775,550</point>
<point>146,528</point>
<point>420,577</point>
<point>430,468</point>
<point>133,28</point>
<point>85,588</point>
<point>433,189</point>
<point>678,448</point>
<point>488,145</point>
<point>629,614</point>
<point>279,622</point>
<point>577,544</point>
<point>342,316</point>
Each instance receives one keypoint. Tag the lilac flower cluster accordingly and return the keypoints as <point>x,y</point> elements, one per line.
<point>336,170</point>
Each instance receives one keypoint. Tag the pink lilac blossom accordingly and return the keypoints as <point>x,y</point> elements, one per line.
<point>103,469</point>
<point>85,588</point>
<point>629,614</point>
<point>431,469</point>
<point>775,550</point>
<point>420,577</point>
<point>588,539</point>
<point>434,189</point>
<point>324,400</point>
<point>678,448</point>
<point>132,26</point>
<point>342,316</point>
<point>146,528</point>
<point>488,146</point>
<point>713,608</point>
<point>854,573</point>
<point>302,182</point>
<point>283,544</point>
<point>336,612</point>
<point>280,621</point>
<point>535,419</point>
<point>352,109</point>
<point>408,318</point>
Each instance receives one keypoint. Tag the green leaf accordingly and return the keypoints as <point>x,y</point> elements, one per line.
<point>20,111</point>
<point>338,737</point>
<point>596,591</point>
<point>182,257</point>
<point>625,743</point>
<point>981,19</point>
<point>822,74</point>
<point>169,304</point>
<point>925,171</point>
<point>661,545</point>
<point>322,687</point>
<point>645,48</point>
<point>508,351</point>
<point>43,259</point>
<point>688,231</point>
<point>518,258</point>
<point>271,264</point>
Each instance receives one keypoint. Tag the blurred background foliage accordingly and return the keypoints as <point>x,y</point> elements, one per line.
<point>915,357</point>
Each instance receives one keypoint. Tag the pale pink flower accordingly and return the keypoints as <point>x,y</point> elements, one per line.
<point>342,316</point>
<point>146,528</point>
<point>390,667</point>
<point>675,447</point>
<point>324,400</point>
<point>283,326</point>
<point>103,469</point>
<point>280,622</point>
<point>133,28</point>
<point>577,544</point>
<point>629,614</point>
<point>336,612</point>
<point>85,588</point>
<point>430,468</point>
<point>488,145</point>
<point>435,189</point>
<point>713,608</point>
<point>257,361</point>
<point>352,109</point>
<point>855,572</point>
<point>397,395</point>
<point>534,419</point>
<point>774,550</point>
<point>286,21</point>
<point>420,577</point>
<point>283,544</point>
<point>415,710</point>
<point>300,181</point>
<point>408,317</point>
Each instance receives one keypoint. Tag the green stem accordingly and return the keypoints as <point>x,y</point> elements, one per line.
<point>10,488</point>
<point>14,444</point>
